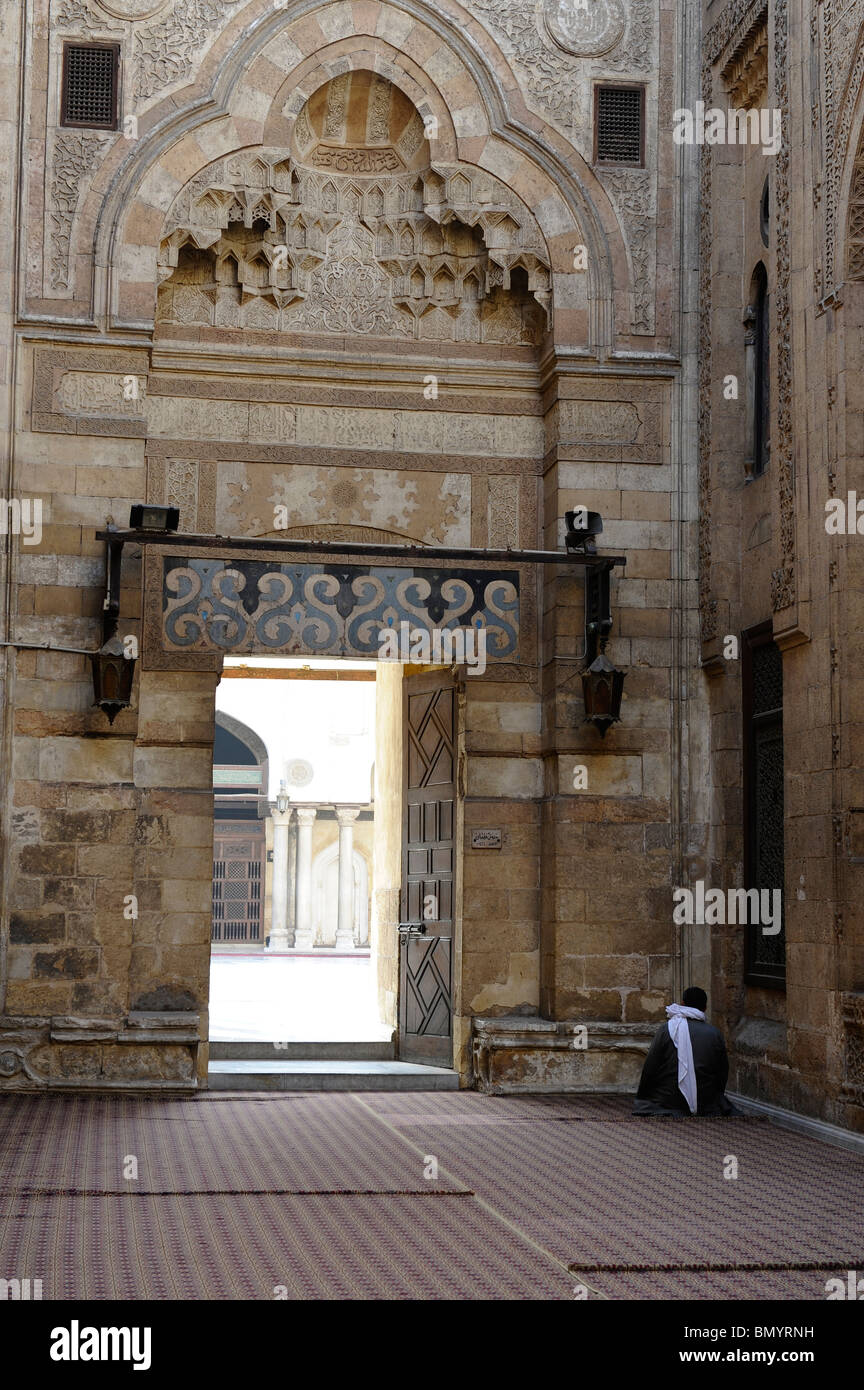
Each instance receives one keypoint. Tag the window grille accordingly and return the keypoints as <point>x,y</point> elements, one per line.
<point>619,120</point>
<point>237,882</point>
<point>90,83</point>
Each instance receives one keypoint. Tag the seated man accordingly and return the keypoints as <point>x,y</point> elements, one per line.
<point>686,1069</point>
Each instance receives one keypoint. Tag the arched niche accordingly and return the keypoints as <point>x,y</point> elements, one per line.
<point>325,896</point>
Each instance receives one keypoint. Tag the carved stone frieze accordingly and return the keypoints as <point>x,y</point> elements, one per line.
<point>101,393</point>
<point>839,27</point>
<point>783,582</point>
<point>165,51</point>
<point>75,155</point>
<point>547,41</point>
<point>547,73</point>
<point>637,51</point>
<point>503,512</point>
<point>181,489</point>
<point>433,507</point>
<point>582,422</point>
<point>76,16</point>
<point>633,193</point>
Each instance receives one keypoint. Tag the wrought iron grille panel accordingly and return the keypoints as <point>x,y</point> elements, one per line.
<point>767,664</point>
<point>90,85</point>
<point>763,786</point>
<point>619,125</point>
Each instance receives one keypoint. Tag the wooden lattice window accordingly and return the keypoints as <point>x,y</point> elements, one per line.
<point>90,85</point>
<point>619,125</point>
<point>762,674</point>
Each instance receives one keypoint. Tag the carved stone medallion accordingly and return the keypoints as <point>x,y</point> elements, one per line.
<point>131,9</point>
<point>585,27</point>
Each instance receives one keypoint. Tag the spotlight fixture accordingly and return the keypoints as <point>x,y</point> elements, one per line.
<point>146,516</point>
<point>582,528</point>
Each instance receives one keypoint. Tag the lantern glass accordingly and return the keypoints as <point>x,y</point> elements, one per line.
<point>602,688</point>
<point>113,674</point>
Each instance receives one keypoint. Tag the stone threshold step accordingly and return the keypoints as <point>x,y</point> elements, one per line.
<point>313,1075</point>
<point>246,1050</point>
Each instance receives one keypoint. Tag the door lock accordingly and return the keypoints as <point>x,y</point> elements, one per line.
<point>412,928</point>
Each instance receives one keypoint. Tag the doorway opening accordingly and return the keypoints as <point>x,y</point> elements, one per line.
<point>308,821</point>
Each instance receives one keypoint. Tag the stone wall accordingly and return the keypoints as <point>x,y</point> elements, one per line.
<point>766,555</point>
<point>426,363</point>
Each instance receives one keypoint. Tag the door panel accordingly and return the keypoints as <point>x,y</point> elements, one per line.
<point>428,854</point>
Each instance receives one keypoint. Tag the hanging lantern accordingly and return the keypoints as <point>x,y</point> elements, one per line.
<point>113,673</point>
<point>602,688</point>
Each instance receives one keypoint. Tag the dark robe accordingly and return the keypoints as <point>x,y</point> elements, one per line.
<point>658,1092</point>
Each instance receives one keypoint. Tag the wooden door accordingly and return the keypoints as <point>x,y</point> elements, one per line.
<point>428,855</point>
<point>238,880</point>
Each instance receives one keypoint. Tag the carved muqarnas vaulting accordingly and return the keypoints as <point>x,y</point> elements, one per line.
<point>746,72</point>
<point>396,248</point>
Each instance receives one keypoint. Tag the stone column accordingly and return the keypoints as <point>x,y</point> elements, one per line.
<point>303,928</point>
<point>346,816</point>
<point>292,880</point>
<point>280,932</point>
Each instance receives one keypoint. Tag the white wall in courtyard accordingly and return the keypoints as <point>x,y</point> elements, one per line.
<point>329,725</point>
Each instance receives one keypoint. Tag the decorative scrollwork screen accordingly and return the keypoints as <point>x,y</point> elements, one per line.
<point>218,605</point>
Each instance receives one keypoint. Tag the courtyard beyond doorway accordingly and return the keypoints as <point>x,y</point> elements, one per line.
<point>294,998</point>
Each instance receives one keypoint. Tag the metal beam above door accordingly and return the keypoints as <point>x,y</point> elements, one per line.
<point>428,553</point>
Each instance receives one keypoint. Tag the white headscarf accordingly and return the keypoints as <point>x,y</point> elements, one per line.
<point>678,1015</point>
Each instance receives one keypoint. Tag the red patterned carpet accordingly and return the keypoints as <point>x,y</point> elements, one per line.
<point>324,1196</point>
